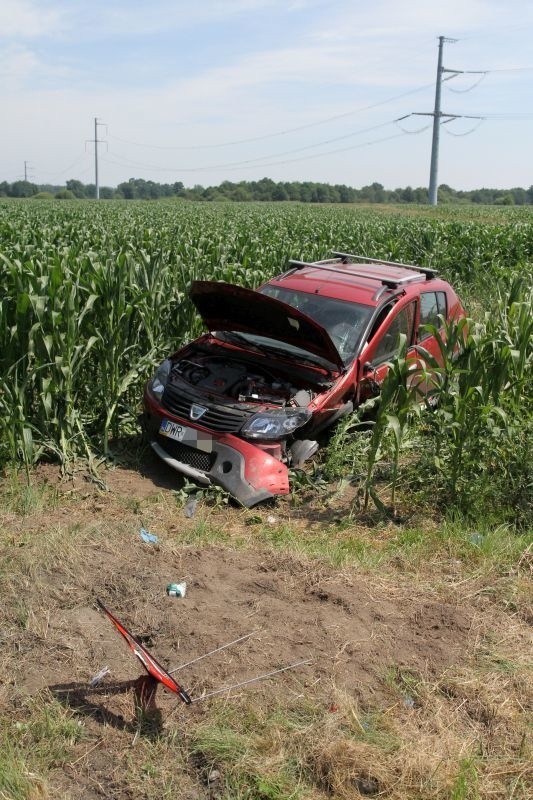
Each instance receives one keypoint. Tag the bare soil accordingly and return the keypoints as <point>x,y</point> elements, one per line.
<point>357,628</point>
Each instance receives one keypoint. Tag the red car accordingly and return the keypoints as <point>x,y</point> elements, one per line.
<point>245,402</point>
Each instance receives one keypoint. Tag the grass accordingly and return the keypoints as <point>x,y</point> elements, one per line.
<point>39,741</point>
<point>460,733</point>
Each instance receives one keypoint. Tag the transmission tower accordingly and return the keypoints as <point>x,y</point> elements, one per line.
<point>440,118</point>
<point>27,167</point>
<point>96,141</point>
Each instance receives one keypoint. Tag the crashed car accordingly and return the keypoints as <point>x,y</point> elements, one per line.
<point>247,401</point>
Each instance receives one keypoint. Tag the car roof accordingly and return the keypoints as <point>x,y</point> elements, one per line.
<point>368,281</point>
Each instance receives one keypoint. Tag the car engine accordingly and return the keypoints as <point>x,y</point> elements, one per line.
<point>230,378</point>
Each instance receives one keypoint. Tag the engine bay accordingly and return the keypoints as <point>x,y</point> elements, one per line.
<point>238,381</point>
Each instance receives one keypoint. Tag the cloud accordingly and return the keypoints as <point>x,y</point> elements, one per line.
<point>17,63</point>
<point>25,19</point>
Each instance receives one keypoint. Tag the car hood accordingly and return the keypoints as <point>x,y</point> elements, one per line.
<point>226,307</point>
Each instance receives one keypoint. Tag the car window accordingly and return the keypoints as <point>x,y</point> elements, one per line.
<point>389,342</point>
<point>344,321</point>
<point>431,305</point>
<point>442,304</point>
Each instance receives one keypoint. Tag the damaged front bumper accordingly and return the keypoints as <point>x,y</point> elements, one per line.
<point>246,471</point>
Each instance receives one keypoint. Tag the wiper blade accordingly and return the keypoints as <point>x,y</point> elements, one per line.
<point>308,358</point>
<point>238,338</point>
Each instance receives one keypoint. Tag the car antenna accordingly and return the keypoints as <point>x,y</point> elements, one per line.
<point>251,680</point>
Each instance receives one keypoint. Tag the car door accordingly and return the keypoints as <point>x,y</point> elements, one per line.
<point>384,345</point>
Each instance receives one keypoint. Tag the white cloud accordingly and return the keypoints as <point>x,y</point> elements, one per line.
<point>17,63</point>
<point>25,19</point>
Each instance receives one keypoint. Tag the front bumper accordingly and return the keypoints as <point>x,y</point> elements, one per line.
<point>244,470</point>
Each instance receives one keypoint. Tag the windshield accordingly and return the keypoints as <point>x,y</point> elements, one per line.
<point>345,322</point>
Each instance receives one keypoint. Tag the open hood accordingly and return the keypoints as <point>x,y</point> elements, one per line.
<point>225,307</point>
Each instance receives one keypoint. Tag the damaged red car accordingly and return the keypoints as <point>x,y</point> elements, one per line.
<point>245,402</point>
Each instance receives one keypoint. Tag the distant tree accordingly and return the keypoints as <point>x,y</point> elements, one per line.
<point>127,189</point>
<point>504,200</point>
<point>23,189</point>
<point>76,187</point>
<point>420,195</point>
<point>43,196</point>
<point>65,194</point>
<point>279,193</point>
<point>407,194</point>
<point>519,196</point>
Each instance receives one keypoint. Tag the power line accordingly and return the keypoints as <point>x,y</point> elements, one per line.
<point>267,157</point>
<point>273,163</point>
<point>277,133</point>
<point>67,169</point>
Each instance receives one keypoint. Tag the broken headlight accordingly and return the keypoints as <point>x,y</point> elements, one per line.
<point>276,423</point>
<point>159,381</point>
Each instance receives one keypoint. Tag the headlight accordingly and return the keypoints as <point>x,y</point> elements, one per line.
<point>159,381</point>
<point>275,424</point>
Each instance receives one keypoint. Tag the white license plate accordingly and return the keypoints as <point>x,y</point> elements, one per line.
<point>174,430</point>
<point>190,436</point>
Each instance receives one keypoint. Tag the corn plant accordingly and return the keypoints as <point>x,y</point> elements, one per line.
<point>95,295</point>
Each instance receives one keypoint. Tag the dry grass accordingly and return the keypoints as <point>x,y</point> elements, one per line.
<point>456,732</point>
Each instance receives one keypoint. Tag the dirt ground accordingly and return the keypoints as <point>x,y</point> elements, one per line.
<point>358,629</point>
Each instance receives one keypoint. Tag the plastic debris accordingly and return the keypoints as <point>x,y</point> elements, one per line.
<point>272,520</point>
<point>177,589</point>
<point>190,507</point>
<point>476,538</point>
<point>99,677</point>
<point>408,701</point>
<point>149,538</point>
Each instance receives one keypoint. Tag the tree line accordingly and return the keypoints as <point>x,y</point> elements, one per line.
<point>266,190</point>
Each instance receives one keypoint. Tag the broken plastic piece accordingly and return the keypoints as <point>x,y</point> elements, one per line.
<point>190,506</point>
<point>98,678</point>
<point>150,664</point>
<point>149,538</point>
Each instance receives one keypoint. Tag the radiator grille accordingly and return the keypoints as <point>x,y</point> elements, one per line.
<point>178,401</point>
<point>187,455</point>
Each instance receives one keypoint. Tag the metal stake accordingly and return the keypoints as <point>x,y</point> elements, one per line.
<point>250,680</point>
<point>212,652</point>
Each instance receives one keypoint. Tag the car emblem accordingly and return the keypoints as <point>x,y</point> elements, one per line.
<point>197,411</point>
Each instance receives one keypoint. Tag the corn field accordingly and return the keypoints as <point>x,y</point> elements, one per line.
<point>93,296</point>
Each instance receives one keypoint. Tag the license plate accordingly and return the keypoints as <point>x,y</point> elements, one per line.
<point>173,430</point>
<point>190,436</point>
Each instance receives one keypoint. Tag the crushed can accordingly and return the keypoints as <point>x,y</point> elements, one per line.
<point>176,589</point>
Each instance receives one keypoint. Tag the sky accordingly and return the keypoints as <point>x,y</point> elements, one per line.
<point>295,90</point>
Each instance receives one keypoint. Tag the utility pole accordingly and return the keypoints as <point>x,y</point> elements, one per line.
<point>97,141</point>
<point>440,118</point>
<point>27,166</point>
<point>434,167</point>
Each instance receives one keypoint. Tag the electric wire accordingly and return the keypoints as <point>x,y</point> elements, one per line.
<point>469,88</point>
<point>465,133</point>
<point>62,171</point>
<point>271,164</point>
<point>257,159</point>
<point>408,132</point>
<point>277,133</point>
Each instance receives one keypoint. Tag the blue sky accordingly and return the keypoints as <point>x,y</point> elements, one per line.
<point>210,91</point>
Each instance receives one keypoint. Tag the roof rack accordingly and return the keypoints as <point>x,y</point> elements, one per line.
<point>427,271</point>
<point>390,283</point>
